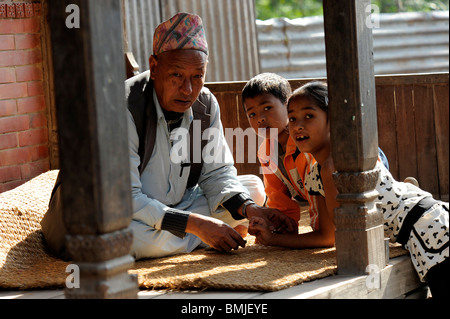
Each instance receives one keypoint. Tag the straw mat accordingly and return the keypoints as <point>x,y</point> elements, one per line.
<point>25,264</point>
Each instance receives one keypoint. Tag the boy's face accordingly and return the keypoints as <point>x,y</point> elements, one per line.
<point>265,112</point>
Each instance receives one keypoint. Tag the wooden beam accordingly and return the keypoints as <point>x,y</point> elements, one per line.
<point>380,80</point>
<point>353,126</point>
<point>89,93</point>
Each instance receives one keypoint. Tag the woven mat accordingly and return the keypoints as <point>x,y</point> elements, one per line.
<point>25,264</point>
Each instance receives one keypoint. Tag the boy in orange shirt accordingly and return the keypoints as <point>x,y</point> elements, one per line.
<point>284,167</point>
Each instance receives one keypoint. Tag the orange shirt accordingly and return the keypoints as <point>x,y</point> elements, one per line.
<point>281,190</point>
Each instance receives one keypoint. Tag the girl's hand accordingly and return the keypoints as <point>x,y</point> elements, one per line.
<point>258,227</point>
<point>274,219</point>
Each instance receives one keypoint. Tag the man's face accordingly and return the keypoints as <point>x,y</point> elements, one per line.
<point>178,77</point>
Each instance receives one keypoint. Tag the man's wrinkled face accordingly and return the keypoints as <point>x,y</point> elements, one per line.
<point>178,77</point>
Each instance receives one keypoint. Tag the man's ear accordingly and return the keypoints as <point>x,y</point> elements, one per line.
<point>153,61</point>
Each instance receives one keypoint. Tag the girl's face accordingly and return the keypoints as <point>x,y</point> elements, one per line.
<point>265,112</point>
<point>308,125</point>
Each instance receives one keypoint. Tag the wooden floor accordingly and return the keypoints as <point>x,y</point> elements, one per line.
<point>292,293</point>
<point>333,287</point>
<point>398,281</point>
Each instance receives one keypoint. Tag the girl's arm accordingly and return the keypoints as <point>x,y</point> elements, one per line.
<point>326,174</point>
<point>322,237</point>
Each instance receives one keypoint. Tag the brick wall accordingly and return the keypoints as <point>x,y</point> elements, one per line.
<point>24,150</point>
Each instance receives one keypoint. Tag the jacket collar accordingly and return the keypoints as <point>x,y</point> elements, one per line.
<point>267,149</point>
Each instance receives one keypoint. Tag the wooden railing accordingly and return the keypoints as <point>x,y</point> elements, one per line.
<point>413,126</point>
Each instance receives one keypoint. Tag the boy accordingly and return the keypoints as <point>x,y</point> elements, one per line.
<point>284,167</point>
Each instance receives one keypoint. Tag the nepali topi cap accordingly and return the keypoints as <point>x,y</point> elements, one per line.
<point>184,31</point>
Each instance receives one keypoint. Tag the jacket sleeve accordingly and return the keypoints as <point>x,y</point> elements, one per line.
<point>279,197</point>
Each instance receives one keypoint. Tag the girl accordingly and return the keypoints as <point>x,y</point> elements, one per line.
<point>411,215</point>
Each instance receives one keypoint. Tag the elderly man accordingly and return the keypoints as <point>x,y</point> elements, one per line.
<point>174,212</point>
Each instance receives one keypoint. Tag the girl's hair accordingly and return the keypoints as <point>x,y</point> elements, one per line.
<point>267,83</point>
<point>316,91</point>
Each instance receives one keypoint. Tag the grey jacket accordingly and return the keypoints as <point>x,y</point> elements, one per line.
<point>159,194</point>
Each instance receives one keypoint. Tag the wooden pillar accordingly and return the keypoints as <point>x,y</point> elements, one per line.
<point>353,125</point>
<point>90,100</point>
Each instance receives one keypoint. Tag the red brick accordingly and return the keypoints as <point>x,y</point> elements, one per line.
<point>11,185</point>
<point>33,169</point>
<point>10,173</point>
<point>10,10</point>
<point>8,141</point>
<point>29,73</point>
<point>20,10</point>
<point>37,9</point>
<point>31,25</point>
<point>13,91</point>
<point>15,156</point>
<point>29,12</point>
<point>27,57</point>
<point>39,152</point>
<point>8,107</point>
<point>11,26</point>
<point>6,42</point>
<point>14,26</point>
<point>2,10</point>
<point>27,41</point>
<point>14,124</point>
<point>20,57</point>
<point>35,88</point>
<point>7,58</point>
<point>7,75</point>
<point>38,120</point>
<point>33,137</point>
<point>31,104</point>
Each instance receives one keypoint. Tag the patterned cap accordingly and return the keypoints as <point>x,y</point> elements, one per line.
<point>184,31</point>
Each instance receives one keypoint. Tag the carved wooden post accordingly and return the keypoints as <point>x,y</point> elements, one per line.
<point>350,72</point>
<point>89,94</point>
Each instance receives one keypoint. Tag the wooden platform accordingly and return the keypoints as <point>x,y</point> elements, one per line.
<point>398,280</point>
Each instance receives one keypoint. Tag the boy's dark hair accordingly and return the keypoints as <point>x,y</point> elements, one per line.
<point>316,91</point>
<point>267,83</point>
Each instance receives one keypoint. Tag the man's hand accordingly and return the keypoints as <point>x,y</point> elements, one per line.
<point>274,219</point>
<point>214,232</point>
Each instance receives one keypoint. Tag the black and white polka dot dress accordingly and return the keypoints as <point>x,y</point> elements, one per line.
<point>411,217</point>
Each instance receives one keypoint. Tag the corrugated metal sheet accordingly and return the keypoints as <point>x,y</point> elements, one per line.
<point>141,19</point>
<point>403,43</point>
<point>229,26</point>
